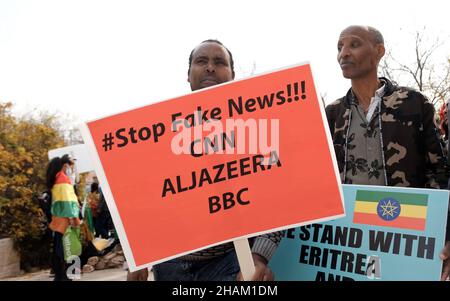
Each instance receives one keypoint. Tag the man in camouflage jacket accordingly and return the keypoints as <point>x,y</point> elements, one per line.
<point>413,155</point>
<point>383,134</point>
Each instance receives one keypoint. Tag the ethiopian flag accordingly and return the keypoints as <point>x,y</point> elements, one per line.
<point>391,209</point>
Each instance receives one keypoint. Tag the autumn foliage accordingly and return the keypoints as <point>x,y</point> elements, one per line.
<point>24,143</point>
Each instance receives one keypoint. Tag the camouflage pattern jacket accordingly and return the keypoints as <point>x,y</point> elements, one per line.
<point>412,153</point>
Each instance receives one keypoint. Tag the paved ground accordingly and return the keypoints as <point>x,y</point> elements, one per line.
<point>102,275</point>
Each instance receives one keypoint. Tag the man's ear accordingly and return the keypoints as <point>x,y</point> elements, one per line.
<point>188,77</point>
<point>381,51</point>
<point>232,75</point>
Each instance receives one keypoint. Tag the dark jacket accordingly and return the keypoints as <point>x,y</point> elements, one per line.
<point>412,153</point>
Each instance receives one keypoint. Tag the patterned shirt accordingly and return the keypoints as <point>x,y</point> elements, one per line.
<point>364,155</point>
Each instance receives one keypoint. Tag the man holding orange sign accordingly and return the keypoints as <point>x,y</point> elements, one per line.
<point>211,63</point>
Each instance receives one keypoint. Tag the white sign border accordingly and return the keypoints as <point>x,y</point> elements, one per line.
<point>87,137</point>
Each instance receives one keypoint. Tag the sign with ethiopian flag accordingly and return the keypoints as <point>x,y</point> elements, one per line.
<point>389,233</point>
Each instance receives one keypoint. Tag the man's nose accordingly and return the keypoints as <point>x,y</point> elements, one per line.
<point>345,52</point>
<point>210,67</point>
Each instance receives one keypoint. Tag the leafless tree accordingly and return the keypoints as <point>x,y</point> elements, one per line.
<point>425,71</point>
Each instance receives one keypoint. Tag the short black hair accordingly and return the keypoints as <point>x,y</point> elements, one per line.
<point>67,159</point>
<point>212,41</point>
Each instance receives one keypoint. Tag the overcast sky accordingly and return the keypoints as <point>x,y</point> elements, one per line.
<point>95,58</point>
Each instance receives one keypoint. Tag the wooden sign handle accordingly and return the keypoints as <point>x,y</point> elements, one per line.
<point>245,258</point>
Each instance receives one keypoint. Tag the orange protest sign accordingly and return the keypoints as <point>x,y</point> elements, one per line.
<point>235,160</point>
